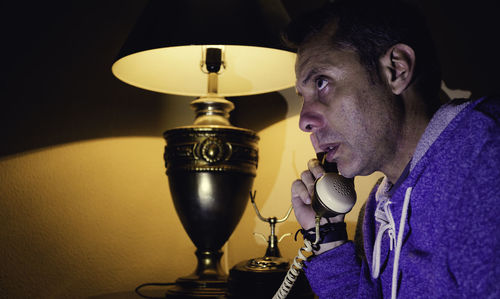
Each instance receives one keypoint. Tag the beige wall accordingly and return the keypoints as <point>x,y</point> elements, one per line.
<point>94,217</point>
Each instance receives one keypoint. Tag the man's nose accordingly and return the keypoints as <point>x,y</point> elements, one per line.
<point>310,121</point>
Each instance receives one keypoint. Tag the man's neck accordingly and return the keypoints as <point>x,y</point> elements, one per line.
<point>415,121</point>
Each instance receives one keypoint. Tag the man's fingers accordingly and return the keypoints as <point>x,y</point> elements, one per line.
<point>301,205</point>
<point>308,177</point>
<point>308,181</point>
<point>315,168</point>
<point>300,191</point>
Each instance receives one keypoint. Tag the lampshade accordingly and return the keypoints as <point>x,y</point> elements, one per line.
<point>164,52</point>
<point>210,49</point>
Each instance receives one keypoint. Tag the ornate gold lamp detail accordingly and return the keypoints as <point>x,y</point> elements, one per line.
<point>208,49</point>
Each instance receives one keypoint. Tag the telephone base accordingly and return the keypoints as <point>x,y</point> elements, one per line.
<point>247,282</point>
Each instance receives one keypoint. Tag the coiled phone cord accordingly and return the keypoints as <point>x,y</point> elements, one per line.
<point>297,265</point>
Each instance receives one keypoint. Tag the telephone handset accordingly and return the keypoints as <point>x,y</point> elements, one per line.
<point>333,195</point>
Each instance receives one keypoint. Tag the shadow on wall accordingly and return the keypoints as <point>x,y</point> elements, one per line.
<point>57,86</point>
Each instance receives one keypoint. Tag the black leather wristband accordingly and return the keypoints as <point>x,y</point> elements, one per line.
<point>329,232</point>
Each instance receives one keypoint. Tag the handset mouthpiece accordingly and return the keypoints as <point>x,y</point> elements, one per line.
<point>328,166</point>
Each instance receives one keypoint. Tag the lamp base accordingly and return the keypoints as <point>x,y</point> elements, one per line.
<point>210,172</point>
<point>207,281</point>
<point>191,287</point>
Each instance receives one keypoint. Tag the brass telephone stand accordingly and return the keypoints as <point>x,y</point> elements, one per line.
<point>262,276</point>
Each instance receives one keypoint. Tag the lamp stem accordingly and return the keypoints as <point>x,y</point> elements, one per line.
<point>213,83</point>
<point>212,109</point>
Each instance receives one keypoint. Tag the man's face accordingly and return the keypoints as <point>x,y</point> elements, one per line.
<point>350,117</point>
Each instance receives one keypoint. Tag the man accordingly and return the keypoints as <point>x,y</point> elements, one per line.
<point>369,79</point>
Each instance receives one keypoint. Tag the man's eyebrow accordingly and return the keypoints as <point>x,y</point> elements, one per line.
<point>308,77</point>
<point>311,73</point>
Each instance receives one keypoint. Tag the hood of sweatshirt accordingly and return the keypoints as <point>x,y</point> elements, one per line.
<point>383,213</point>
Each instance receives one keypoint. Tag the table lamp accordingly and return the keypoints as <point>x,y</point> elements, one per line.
<point>209,50</point>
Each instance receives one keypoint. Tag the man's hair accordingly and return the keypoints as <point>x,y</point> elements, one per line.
<point>370,28</point>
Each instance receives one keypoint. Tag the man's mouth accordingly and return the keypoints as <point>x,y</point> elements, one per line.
<point>330,150</point>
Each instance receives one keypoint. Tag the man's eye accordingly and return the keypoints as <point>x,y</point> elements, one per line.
<point>321,83</point>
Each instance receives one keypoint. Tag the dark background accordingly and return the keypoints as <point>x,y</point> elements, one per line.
<point>57,86</point>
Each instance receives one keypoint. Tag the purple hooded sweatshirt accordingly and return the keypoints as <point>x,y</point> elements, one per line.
<point>435,233</point>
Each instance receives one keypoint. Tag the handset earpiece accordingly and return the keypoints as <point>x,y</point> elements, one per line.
<point>333,193</point>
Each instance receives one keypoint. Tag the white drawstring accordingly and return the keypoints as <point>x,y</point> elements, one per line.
<point>386,223</point>
<point>384,217</point>
<point>376,252</point>
<point>399,243</point>
<point>392,231</point>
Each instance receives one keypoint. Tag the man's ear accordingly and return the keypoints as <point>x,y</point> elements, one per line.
<point>397,66</point>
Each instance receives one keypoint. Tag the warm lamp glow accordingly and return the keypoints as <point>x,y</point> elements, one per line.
<point>176,70</point>
<point>211,50</point>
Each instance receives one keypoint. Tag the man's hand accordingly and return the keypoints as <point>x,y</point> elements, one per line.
<point>302,193</point>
